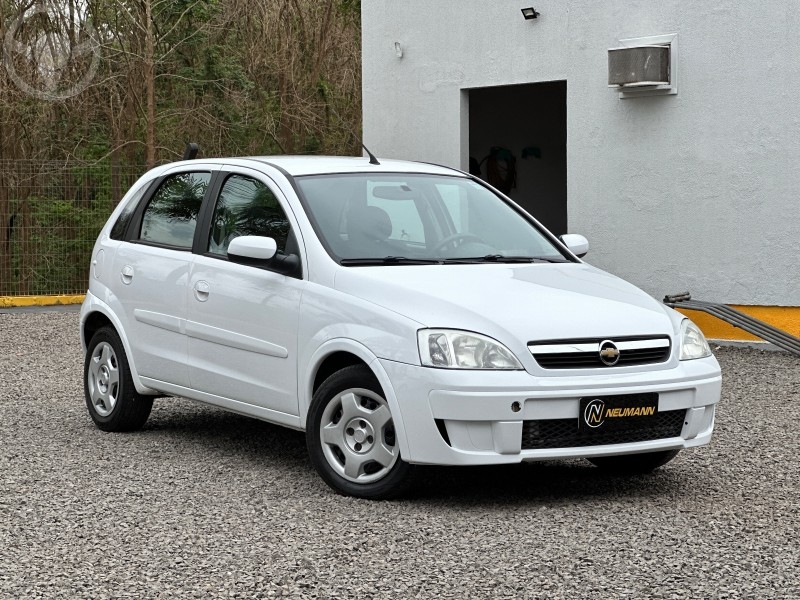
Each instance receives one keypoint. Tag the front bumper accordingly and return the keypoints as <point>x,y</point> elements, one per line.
<point>455,417</point>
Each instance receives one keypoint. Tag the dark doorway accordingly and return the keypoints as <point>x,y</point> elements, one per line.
<point>525,125</point>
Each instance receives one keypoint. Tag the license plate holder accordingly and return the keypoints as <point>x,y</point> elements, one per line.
<point>618,412</point>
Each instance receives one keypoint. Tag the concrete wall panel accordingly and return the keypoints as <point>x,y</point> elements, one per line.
<point>696,191</point>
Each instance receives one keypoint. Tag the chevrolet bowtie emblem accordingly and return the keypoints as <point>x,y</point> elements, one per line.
<point>609,353</point>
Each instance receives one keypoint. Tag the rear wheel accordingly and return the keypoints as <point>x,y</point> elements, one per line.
<point>351,437</point>
<point>634,463</point>
<point>112,400</point>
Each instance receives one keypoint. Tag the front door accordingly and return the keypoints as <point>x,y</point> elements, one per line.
<point>243,320</point>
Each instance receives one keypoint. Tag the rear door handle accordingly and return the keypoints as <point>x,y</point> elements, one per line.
<point>127,274</point>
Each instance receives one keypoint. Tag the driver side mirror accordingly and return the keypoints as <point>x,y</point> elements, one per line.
<point>576,243</point>
<point>262,252</point>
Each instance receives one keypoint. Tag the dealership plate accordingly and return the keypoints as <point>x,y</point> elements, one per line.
<point>614,413</point>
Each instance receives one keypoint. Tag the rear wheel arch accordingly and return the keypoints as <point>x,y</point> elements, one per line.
<point>93,323</point>
<point>111,397</point>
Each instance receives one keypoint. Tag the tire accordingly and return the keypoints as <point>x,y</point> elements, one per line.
<point>112,400</point>
<point>351,439</point>
<point>634,463</point>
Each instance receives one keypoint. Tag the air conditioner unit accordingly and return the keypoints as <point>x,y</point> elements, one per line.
<point>640,66</point>
<point>644,66</point>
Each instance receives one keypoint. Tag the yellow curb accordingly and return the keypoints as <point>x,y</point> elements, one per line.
<point>21,301</point>
<point>785,318</point>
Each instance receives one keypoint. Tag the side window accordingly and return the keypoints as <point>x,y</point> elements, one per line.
<point>171,216</point>
<point>246,207</point>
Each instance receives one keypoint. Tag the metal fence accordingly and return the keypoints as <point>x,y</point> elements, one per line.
<point>50,215</point>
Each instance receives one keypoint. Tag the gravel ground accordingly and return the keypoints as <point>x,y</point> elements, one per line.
<point>206,504</point>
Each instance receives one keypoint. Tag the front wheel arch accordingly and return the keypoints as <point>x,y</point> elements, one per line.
<point>333,363</point>
<point>362,355</point>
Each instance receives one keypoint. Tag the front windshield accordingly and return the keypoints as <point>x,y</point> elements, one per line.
<point>386,218</point>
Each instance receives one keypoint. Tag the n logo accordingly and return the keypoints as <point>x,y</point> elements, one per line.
<point>593,413</point>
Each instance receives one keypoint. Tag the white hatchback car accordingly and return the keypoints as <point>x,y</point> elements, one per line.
<point>399,313</point>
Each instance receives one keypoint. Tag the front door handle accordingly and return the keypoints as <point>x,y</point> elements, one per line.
<point>201,290</point>
<point>127,274</point>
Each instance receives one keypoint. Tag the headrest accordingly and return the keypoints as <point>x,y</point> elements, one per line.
<point>368,223</point>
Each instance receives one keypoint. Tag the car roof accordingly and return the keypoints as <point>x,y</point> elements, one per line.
<point>314,165</point>
<point>317,165</point>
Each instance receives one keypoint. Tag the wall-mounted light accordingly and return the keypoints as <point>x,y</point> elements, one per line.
<point>398,50</point>
<point>529,13</point>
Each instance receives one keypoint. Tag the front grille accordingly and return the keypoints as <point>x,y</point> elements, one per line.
<point>563,433</point>
<point>585,354</point>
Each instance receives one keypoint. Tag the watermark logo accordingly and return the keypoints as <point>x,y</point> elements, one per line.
<point>50,52</point>
<point>593,413</point>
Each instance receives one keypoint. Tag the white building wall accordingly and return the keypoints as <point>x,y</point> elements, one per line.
<point>696,191</point>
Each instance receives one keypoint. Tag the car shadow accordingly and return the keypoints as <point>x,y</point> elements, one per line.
<point>226,435</point>
<point>252,443</point>
<point>548,482</point>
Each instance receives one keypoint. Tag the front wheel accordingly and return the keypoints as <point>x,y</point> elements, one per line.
<point>351,437</point>
<point>112,400</point>
<point>634,463</point>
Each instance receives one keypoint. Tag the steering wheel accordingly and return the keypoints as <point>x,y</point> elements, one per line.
<point>456,240</point>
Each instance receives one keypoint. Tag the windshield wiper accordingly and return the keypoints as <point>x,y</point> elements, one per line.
<point>549,259</point>
<point>500,258</point>
<point>389,260</point>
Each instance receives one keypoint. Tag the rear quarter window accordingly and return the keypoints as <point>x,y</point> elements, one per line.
<point>124,218</point>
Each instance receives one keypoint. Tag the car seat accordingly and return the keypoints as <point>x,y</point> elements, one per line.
<point>368,228</point>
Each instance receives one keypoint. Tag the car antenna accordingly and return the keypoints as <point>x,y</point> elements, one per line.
<point>191,151</point>
<point>372,159</point>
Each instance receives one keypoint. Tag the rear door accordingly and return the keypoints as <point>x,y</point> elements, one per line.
<point>243,320</point>
<point>153,270</point>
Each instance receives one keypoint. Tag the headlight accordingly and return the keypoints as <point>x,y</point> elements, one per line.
<point>693,342</point>
<point>453,349</point>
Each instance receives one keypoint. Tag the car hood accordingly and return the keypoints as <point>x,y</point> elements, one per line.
<point>528,302</point>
